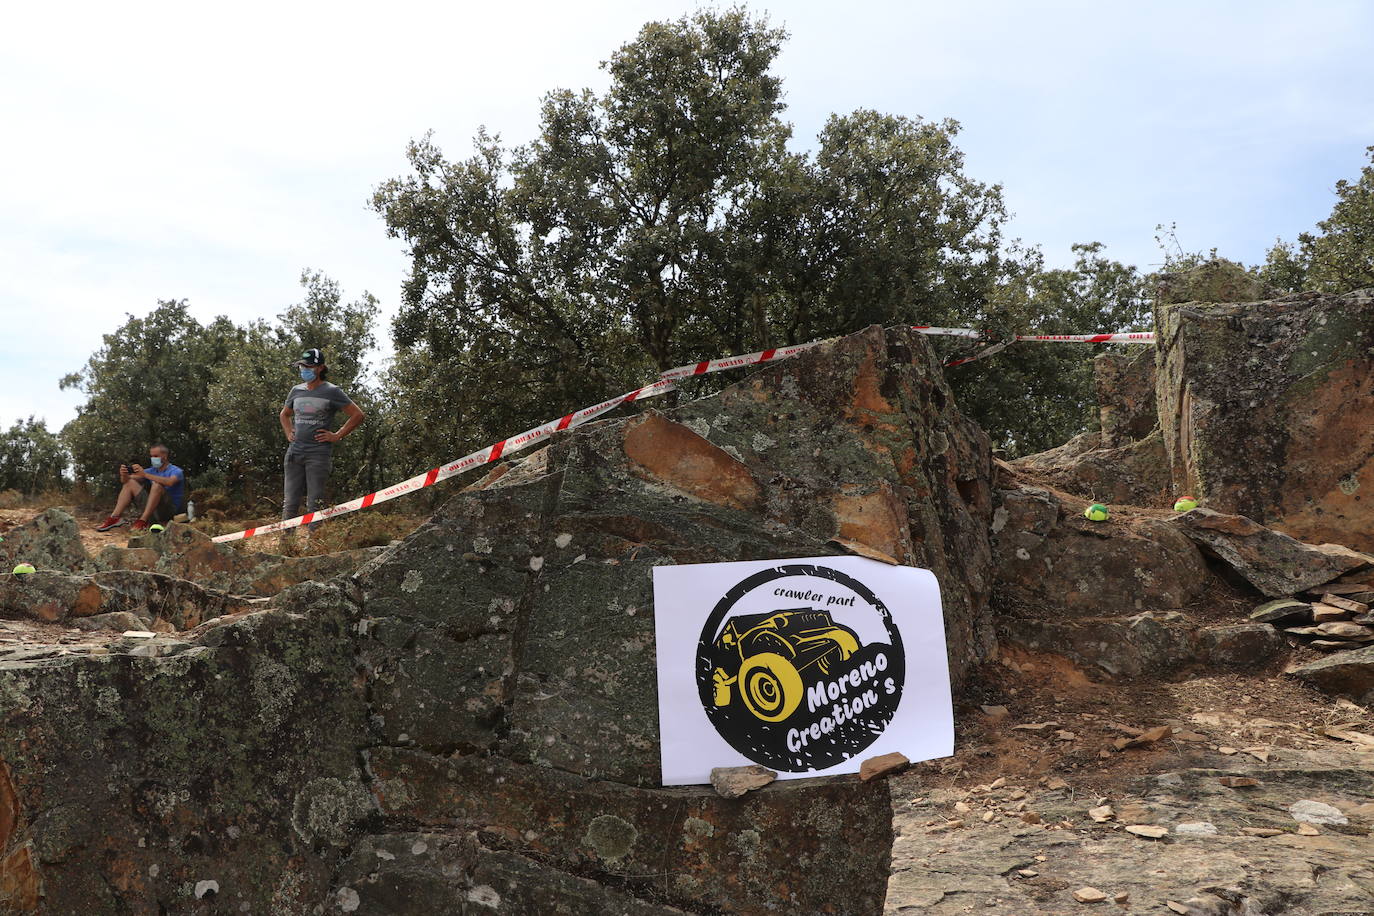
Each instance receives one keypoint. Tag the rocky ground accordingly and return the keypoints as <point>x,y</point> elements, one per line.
<point>1243,794</point>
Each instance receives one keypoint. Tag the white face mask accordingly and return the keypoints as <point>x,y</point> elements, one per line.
<point>156,461</point>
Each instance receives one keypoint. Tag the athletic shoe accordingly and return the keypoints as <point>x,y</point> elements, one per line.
<point>140,525</point>
<point>114,521</point>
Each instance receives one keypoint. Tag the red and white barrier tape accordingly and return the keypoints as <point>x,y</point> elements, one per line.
<point>666,382</point>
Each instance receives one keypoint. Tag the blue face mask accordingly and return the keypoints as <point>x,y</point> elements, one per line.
<point>157,462</point>
<point>308,375</point>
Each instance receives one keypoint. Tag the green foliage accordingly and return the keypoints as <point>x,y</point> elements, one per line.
<point>665,221</point>
<point>32,459</point>
<point>1037,396</point>
<point>1340,257</point>
<point>250,385</point>
<point>147,384</point>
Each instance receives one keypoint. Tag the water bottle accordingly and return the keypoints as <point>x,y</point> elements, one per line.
<point>190,510</point>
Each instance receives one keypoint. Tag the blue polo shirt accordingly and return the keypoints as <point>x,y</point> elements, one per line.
<point>177,491</point>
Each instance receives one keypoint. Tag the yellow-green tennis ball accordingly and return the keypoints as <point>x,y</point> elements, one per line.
<point>23,569</point>
<point>1185,504</point>
<point>156,528</point>
<point>1096,513</point>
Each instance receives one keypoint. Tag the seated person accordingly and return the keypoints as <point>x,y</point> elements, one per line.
<point>159,488</point>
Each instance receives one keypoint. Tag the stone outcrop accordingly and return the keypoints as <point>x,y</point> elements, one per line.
<point>1267,411</point>
<point>469,723</point>
<point>1130,474</point>
<point>50,542</point>
<point>1274,563</point>
<point>1125,386</point>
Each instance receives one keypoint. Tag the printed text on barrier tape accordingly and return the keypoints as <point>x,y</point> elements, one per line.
<point>577,418</point>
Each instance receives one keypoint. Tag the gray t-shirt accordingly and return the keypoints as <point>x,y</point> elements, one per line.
<point>312,412</point>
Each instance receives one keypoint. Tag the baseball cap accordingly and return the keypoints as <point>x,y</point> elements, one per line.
<point>312,357</point>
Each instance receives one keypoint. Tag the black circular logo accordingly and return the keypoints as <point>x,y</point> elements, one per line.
<point>800,667</point>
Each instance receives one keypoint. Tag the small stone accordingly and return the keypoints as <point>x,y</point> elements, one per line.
<point>962,807</point>
<point>998,783</point>
<point>1315,812</point>
<point>1308,830</point>
<point>1089,895</point>
<point>1063,735</point>
<point>1238,782</point>
<point>1177,907</point>
<point>1325,613</point>
<point>732,782</point>
<point>1028,873</point>
<point>1102,814</point>
<point>995,713</point>
<point>1144,738</point>
<point>1122,897</point>
<point>1055,784</point>
<point>1197,828</point>
<point>881,765</point>
<point>1261,831</point>
<point>1149,831</point>
<point>1228,751</point>
<point>988,816</point>
<point>1259,753</point>
<point>1030,817</point>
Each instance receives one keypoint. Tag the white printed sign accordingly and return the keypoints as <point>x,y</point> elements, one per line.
<point>805,666</point>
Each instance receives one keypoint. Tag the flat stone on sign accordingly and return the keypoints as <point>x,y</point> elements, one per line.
<point>882,765</point>
<point>732,782</point>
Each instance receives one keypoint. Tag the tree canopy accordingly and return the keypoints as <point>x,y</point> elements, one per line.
<point>667,219</point>
<point>1340,257</point>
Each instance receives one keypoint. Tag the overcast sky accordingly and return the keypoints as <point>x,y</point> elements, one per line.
<point>211,152</point>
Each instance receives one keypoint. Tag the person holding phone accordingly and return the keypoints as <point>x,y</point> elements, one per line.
<point>159,488</point>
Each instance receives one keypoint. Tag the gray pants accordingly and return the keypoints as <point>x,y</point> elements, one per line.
<point>304,473</point>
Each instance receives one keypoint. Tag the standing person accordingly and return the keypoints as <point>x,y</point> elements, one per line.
<point>160,490</point>
<point>306,418</point>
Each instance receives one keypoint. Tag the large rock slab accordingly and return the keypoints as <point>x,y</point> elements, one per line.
<point>184,552</point>
<point>782,848</point>
<point>216,774</point>
<point>1134,473</point>
<point>1272,562</point>
<point>1349,673</point>
<point>1148,643</point>
<point>1267,410</point>
<point>50,541</point>
<point>164,603</point>
<point>469,722</point>
<point>1052,561</point>
<point>1125,385</point>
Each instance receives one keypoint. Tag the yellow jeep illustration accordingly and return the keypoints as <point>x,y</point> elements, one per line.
<point>768,654</point>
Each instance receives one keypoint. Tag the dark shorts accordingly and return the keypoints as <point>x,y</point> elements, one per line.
<point>164,511</point>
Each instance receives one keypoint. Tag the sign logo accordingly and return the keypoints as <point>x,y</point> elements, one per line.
<point>800,667</point>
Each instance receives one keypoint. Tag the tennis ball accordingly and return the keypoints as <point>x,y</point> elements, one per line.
<point>156,528</point>
<point>23,569</point>
<point>1096,513</point>
<point>1185,504</point>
